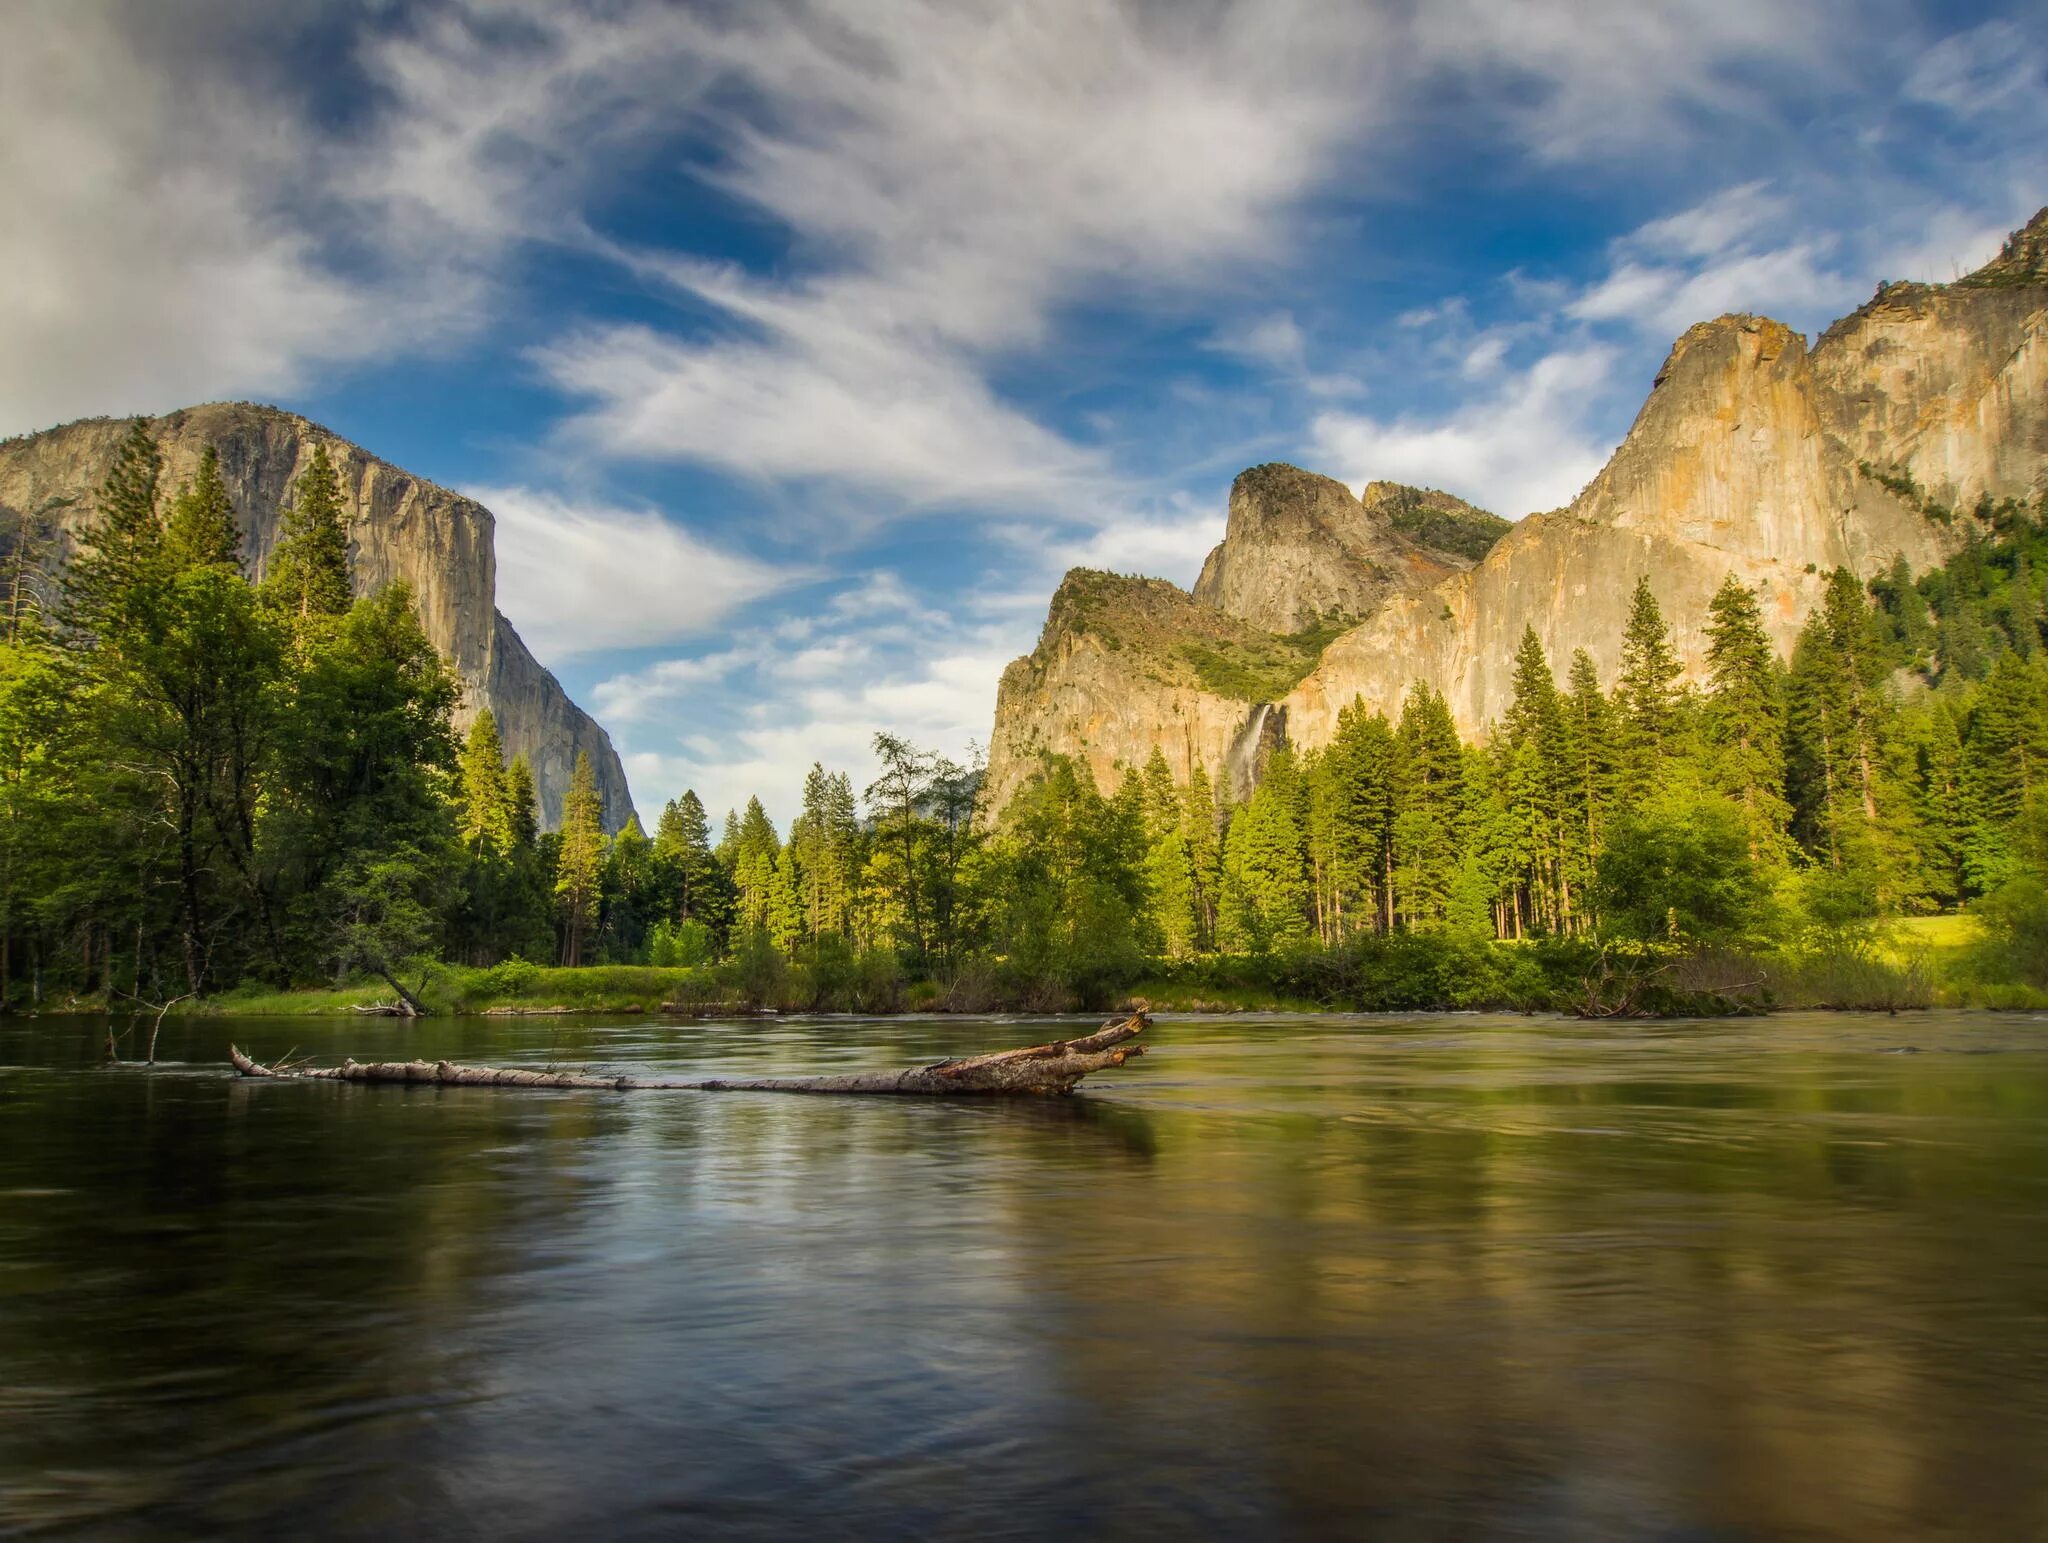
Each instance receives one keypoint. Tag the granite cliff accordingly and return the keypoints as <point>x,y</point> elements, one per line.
<point>1753,454</point>
<point>400,527</point>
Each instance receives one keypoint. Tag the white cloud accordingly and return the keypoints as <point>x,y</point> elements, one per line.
<point>1982,71</point>
<point>148,262</point>
<point>1522,449</point>
<point>818,693</point>
<point>577,577</point>
<point>1274,340</point>
<point>954,174</point>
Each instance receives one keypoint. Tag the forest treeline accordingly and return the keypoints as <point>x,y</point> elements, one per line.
<point>209,781</point>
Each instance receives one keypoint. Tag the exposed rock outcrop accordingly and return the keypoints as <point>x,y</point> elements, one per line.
<point>1753,454</point>
<point>1299,549</point>
<point>400,527</point>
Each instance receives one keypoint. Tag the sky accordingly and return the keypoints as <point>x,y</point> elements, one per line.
<point>799,349</point>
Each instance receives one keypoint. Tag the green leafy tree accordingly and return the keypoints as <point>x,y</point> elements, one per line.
<point>1680,868</point>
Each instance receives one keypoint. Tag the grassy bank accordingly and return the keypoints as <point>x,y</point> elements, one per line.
<point>1917,963</point>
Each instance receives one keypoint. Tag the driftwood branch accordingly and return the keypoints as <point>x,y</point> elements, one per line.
<point>1049,1070</point>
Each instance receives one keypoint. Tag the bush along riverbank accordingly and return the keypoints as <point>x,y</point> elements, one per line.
<point>1929,962</point>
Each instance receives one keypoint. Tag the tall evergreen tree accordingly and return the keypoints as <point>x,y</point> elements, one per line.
<point>523,802</point>
<point>308,573</point>
<point>486,815</point>
<point>1745,716</point>
<point>1849,812</point>
<point>1198,815</point>
<point>1532,780</point>
<point>1592,746</point>
<point>1645,694</point>
<point>202,530</point>
<point>579,866</point>
<point>1429,785</point>
<point>2005,763</point>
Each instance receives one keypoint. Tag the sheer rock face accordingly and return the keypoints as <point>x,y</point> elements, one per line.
<point>1110,679</point>
<point>1753,454</point>
<point>1300,549</point>
<point>400,527</point>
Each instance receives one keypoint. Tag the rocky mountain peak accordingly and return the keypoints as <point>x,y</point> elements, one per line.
<point>2022,260</point>
<point>1301,550</point>
<point>1753,454</point>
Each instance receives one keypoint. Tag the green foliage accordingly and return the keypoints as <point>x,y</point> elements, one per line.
<point>1680,868</point>
<point>1442,523</point>
<point>308,573</point>
<point>1260,668</point>
<point>204,785</point>
<point>579,862</point>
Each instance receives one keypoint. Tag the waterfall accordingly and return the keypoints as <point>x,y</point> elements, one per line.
<point>1241,765</point>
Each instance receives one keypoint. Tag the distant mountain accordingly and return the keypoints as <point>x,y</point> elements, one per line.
<point>1753,454</point>
<point>400,527</point>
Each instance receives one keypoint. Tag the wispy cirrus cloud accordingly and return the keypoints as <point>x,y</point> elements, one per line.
<point>578,577</point>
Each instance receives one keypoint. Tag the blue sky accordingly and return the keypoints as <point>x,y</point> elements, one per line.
<point>800,348</point>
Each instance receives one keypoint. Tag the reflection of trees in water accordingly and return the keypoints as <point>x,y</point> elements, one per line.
<point>222,1277</point>
<point>1435,1292</point>
<point>1588,1308</point>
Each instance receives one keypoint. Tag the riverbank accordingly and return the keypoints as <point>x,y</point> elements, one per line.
<point>1923,962</point>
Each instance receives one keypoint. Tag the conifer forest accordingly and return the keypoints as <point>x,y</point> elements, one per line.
<point>210,785</point>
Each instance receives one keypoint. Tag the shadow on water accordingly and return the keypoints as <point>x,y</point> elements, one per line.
<point>1431,1277</point>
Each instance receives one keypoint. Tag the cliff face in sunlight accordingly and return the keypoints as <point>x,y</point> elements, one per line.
<point>400,527</point>
<point>1753,454</point>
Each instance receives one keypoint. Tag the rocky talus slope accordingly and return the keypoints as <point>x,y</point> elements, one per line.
<point>1753,454</point>
<point>400,527</point>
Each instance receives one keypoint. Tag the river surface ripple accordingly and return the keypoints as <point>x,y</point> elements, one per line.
<point>1401,1277</point>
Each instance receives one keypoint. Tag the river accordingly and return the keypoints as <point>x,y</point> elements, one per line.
<point>1411,1277</point>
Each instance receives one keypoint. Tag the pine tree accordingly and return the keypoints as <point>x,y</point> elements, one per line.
<point>122,548</point>
<point>784,911</point>
<point>1942,804</point>
<point>756,847</point>
<point>1848,810</point>
<point>1592,749</point>
<point>1531,781</point>
<point>2005,762</point>
<point>1198,816</point>
<point>1745,716</point>
<point>579,866</point>
<point>1430,796</point>
<point>1360,770</point>
<point>703,893</point>
<point>1170,902</point>
<point>1645,694</point>
<point>308,573</point>
<point>201,530</point>
<point>523,802</point>
<point>486,813</point>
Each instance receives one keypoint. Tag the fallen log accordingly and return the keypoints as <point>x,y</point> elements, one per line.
<point>1050,1070</point>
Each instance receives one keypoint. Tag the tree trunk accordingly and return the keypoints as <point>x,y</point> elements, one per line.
<point>1049,1070</point>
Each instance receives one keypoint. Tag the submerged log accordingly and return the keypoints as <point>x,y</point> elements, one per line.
<point>1049,1070</point>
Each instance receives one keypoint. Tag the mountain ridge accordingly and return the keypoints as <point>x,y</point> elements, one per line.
<point>1753,453</point>
<point>401,526</point>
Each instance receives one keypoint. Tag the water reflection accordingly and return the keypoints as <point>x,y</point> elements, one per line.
<point>1426,1278</point>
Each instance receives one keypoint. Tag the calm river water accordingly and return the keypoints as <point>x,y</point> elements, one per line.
<point>1434,1277</point>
